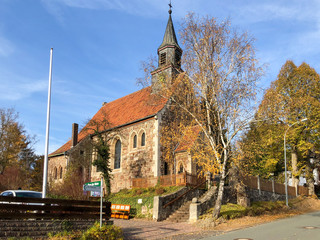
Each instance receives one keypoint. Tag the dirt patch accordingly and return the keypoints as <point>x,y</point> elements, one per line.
<point>298,206</point>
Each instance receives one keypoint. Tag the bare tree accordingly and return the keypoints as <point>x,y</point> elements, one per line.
<point>220,73</point>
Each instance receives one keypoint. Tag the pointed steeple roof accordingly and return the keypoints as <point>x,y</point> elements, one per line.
<point>170,35</point>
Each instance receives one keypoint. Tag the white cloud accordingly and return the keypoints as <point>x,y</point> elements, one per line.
<point>14,88</point>
<point>268,10</point>
<point>53,8</point>
<point>6,47</point>
<point>136,7</point>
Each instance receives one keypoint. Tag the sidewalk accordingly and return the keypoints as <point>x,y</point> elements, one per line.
<point>142,229</point>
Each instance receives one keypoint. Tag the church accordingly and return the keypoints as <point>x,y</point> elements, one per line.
<point>133,130</point>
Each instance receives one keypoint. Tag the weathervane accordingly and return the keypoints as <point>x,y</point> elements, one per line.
<point>170,6</point>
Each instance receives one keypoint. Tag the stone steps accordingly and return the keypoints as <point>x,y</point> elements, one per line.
<point>181,215</point>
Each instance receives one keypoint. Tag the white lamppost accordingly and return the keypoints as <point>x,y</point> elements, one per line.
<point>285,157</point>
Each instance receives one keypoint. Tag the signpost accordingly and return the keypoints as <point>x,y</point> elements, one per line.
<point>96,186</point>
<point>92,186</point>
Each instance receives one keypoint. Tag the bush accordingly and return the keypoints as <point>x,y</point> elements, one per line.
<point>262,207</point>
<point>159,190</point>
<point>138,191</point>
<point>106,232</point>
<point>231,211</point>
<point>109,232</point>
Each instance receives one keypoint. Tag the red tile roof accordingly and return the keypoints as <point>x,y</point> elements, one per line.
<point>133,107</point>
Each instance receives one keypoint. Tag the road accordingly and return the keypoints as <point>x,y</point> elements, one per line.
<point>302,227</point>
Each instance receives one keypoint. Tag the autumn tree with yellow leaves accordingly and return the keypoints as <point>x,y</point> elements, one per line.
<point>293,96</point>
<point>220,75</point>
<point>12,137</point>
<point>17,156</point>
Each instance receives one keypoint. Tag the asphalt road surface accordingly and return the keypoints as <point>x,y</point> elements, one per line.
<point>302,227</point>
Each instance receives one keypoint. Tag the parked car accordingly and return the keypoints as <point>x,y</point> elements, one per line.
<point>21,193</point>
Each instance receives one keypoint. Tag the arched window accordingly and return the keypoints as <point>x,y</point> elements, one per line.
<point>143,139</point>
<point>181,170</point>
<point>55,173</point>
<point>135,141</point>
<point>117,155</point>
<point>60,172</point>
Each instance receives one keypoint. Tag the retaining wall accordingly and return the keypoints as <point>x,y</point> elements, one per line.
<point>161,213</point>
<point>39,229</point>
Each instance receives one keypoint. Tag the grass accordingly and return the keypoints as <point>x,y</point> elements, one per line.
<point>109,232</point>
<point>130,197</point>
<point>231,211</point>
<point>145,192</point>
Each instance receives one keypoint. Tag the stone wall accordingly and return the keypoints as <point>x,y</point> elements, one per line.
<point>39,228</point>
<point>199,207</point>
<point>255,195</point>
<point>160,213</point>
<point>136,162</point>
<point>56,164</point>
<point>184,158</point>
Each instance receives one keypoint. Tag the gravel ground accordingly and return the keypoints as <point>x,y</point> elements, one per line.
<point>134,229</point>
<point>142,229</point>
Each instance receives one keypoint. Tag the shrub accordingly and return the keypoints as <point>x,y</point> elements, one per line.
<point>159,190</point>
<point>65,235</point>
<point>106,232</point>
<point>138,191</point>
<point>109,232</point>
<point>231,211</point>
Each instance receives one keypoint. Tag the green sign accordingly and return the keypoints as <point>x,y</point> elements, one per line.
<point>92,186</point>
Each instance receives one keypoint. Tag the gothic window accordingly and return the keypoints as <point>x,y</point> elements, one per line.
<point>163,59</point>
<point>181,168</point>
<point>55,173</point>
<point>60,172</point>
<point>143,139</point>
<point>117,155</point>
<point>135,141</point>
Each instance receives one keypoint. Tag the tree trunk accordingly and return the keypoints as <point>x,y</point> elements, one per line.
<point>294,163</point>
<point>218,204</point>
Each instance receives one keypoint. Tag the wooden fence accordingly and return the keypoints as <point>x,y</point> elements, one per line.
<point>271,186</point>
<point>183,179</point>
<point>38,208</point>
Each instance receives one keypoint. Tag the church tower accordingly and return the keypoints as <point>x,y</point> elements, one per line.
<point>169,57</point>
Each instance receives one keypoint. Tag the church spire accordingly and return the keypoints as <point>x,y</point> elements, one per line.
<point>169,52</point>
<point>169,38</point>
<point>169,56</point>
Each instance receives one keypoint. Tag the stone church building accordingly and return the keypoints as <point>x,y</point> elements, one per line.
<point>133,130</point>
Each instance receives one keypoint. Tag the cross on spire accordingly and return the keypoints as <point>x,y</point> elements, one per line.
<point>170,6</point>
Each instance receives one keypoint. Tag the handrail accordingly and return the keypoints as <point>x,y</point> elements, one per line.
<point>174,200</point>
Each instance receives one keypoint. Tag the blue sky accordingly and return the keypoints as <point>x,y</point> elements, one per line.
<point>98,46</point>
